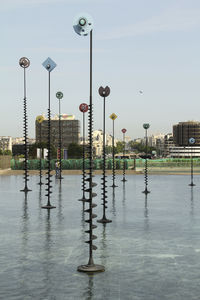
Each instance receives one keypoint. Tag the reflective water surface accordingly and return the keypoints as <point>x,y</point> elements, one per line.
<point>151,250</point>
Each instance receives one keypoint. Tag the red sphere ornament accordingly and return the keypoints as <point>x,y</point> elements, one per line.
<point>83,107</point>
<point>124,130</point>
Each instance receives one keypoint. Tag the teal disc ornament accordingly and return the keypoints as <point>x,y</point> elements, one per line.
<point>59,95</point>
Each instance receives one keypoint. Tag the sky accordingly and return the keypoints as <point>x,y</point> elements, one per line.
<point>151,46</point>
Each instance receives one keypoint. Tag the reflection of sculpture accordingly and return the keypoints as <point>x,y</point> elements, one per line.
<point>124,163</point>
<point>40,119</point>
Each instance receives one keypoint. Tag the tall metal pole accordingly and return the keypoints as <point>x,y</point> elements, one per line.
<point>124,162</point>
<point>191,142</point>
<point>83,108</point>
<point>83,26</point>
<point>25,63</point>
<point>39,120</point>
<point>104,92</point>
<point>146,191</point>
<point>113,117</point>
<point>49,65</point>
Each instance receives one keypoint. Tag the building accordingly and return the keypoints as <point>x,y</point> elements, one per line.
<point>6,143</point>
<point>168,143</point>
<point>185,130</point>
<point>184,152</point>
<point>98,142</point>
<point>70,130</point>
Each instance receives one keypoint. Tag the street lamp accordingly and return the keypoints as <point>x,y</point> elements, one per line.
<point>49,65</point>
<point>146,127</point>
<point>104,92</point>
<point>59,96</point>
<point>192,142</point>
<point>24,62</point>
<point>83,25</point>
<point>83,107</point>
<point>124,164</point>
<point>113,116</point>
<point>40,119</point>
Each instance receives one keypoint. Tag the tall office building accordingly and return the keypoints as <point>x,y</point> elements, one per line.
<point>185,130</point>
<point>70,130</point>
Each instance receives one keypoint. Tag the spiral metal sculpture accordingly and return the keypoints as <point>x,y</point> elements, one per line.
<point>124,162</point>
<point>146,191</point>
<point>113,117</point>
<point>59,96</point>
<point>40,119</point>
<point>24,62</point>
<point>83,107</point>
<point>83,25</point>
<point>104,92</point>
<point>49,65</point>
<point>192,142</point>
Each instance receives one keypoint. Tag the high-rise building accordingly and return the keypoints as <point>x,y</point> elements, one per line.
<point>6,143</point>
<point>70,130</point>
<point>185,130</point>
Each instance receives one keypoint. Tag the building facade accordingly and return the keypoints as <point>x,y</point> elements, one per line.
<point>70,131</point>
<point>185,130</point>
<point>6,143</point>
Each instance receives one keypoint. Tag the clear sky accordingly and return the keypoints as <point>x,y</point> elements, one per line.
<point>139,45</point>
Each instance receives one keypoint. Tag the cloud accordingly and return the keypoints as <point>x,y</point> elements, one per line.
<point>171,21</point>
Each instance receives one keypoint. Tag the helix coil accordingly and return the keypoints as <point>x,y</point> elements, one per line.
<point>91,185</point>
<point>48,173</point>
<point>25,130</point>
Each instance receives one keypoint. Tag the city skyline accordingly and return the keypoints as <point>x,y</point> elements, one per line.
<point>146,52</point>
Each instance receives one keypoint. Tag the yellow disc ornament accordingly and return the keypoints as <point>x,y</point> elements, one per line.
<point>40,119</point>
<point>113,116</point>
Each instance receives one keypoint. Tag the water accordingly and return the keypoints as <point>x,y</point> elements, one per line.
<point>151,250</point>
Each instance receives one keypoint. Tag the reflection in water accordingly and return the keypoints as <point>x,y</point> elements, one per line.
<point>124,195</point>
<point>146,214</point>
<point>88,292</point>
<point>104,246</point>
<point>60,214</point>
<point>192,203</point>
<point>25,248</point>
<point>113,202</point>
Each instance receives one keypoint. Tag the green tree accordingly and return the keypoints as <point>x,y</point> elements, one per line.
<point>119,147</point>
<point>7,152</point>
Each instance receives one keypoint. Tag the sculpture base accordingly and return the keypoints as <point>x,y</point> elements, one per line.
<point>91,268</point>
<point>40,183</point>
<point>104,220</point>
<point>25,190</point>
<point>123,180</point>
<point>191,184</point>
<point>146,192</point>
<point>48,206</point>
<point>113,186</point>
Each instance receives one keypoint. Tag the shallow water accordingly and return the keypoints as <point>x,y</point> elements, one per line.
<point>151,250</point>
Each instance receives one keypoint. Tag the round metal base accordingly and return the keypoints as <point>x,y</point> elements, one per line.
<point>191,184</point>
<point>123,180</point>
<point>113,186</point>
<point>104,220</point>
<point>40,183</point>
<point>91,268</point>
<point>48,206</point>
<point>146,192</point>
<point>25,190</point>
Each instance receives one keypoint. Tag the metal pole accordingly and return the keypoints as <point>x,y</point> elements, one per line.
<point>60,146</point>
<point>124,164</point>
<point>146,168</point>
<point>49,186</point>
<point>104,219</point>
<point>40,139</point>
<point>113,157</point>
<point>192,183</point>
<point>83,156</point>
<point>26,189</point>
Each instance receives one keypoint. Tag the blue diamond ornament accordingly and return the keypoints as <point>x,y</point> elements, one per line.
<point>49,64</point>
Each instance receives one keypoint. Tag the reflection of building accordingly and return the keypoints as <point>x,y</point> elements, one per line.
<point>70,130</point>
<point>6,143</point>
<point>185,130</point>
